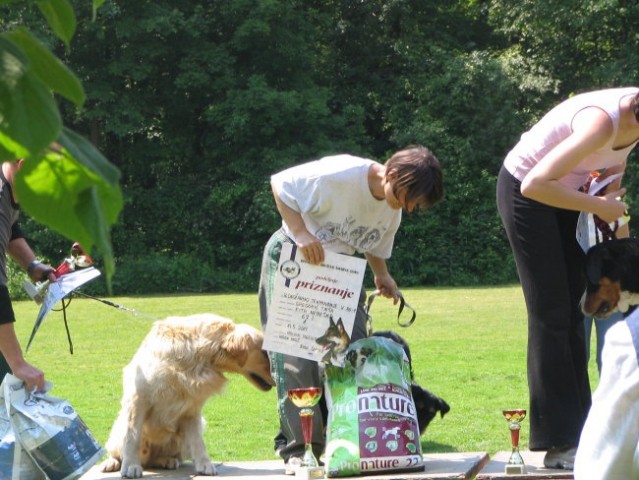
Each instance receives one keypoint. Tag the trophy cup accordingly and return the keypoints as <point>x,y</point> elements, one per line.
<point>515,463</point>
<point>305,399</point>
<point>78,258</point>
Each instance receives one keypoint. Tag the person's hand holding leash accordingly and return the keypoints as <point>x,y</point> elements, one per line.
<point>386,287</point>
<point>612,207</point>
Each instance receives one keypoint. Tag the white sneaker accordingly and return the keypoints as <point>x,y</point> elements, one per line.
<point>561,458</point>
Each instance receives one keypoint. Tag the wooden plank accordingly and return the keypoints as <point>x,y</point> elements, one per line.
<point>438,466</point>
<point>495,470</point>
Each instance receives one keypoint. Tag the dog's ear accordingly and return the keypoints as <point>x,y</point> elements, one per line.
<point>238,343</point>
<point>444,408</point>
<point>594,262</point>
<point>599,259</point>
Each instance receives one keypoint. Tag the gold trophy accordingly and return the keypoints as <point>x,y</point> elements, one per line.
<point>305,399</point>
<point>515,463</point>
<point>77,259</point>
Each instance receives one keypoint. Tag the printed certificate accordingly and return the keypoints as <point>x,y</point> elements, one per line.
<point>313,307</point>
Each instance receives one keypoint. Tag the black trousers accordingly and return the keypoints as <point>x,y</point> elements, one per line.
<point>550,266</point>
<point>6,316</point>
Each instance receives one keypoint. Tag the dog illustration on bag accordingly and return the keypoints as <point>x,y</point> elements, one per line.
<point>391,432</point>
<point>334,342</point>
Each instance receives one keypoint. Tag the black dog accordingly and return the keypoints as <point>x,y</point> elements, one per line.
<point>427,404</point>
<point>612,278</point>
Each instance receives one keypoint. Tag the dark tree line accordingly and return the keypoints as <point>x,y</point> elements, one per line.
<point>197,103</point>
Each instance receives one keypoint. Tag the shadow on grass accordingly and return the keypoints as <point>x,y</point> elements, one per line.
<point>435,447</point>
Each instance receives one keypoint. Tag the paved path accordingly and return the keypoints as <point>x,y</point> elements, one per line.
<point>473,465</point>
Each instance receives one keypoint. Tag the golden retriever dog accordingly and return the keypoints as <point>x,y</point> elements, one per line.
<point>178,366</point>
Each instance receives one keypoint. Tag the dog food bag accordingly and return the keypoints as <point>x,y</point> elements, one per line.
<point>50,431</point>
<point>15,462</point>
<point>372,423</point>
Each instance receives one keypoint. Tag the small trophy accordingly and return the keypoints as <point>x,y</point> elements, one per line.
<point>515,463</point>
<point>78,258</point>
<point>305,399</point>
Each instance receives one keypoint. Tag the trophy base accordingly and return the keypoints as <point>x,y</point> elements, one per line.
<point>309,473</point>
<point>515,469</point>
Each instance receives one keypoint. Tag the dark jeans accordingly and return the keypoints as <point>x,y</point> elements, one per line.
<point>550,266</point>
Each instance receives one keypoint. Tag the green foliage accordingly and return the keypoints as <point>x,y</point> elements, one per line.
<point>65,183</point>
<point>197,104</point>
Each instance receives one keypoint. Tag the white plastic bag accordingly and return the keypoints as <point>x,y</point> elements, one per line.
<point>15,462</point>
<point>50,431</point>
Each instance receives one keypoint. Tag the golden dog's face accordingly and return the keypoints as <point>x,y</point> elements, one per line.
<point>601,300</point>
<point>243,346</point>
<point>257,370</point>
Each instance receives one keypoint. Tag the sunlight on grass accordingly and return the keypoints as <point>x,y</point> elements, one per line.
<point>468,347</point>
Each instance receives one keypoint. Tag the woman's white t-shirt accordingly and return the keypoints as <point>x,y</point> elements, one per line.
<point>337,206</point>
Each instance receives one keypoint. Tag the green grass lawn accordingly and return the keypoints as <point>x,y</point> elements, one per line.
<point>468,347</point>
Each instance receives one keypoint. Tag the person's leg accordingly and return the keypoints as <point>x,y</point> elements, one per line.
<point>285,442</point>
<point>602,326</point>
<point>294,372</point>
<point>556,364</point>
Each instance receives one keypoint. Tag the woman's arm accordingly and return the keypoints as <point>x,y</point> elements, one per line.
<point>21,252</point>
<point>309,244</point>
<point>592,128</point>
<point>385,284</point>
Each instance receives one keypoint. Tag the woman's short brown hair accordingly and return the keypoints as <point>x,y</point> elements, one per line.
<point>416,170</point>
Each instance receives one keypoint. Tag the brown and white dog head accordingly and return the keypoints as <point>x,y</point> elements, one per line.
<point>612,277</point>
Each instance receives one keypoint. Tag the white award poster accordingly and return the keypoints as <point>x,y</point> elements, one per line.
<point>313,307</point>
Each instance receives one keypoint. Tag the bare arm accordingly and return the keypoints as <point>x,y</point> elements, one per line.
<point>309,244</point>
<point>384,283</point>
<point>10,347</point>
<point>592,128</point>
<point>21,252</point>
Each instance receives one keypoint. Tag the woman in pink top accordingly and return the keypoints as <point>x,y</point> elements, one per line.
<point>539,201</point>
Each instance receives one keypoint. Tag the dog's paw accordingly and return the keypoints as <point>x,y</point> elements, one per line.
<point>111,464</point>
<point>131,471</point>
<point>205,468</point>
<point>171,463</point>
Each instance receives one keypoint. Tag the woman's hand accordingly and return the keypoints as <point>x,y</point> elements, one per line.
<point>311,248</point>
<point>387,287</point>
<point>611,207</point>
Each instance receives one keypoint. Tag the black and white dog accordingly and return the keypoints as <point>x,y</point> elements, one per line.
<point>612,278</point>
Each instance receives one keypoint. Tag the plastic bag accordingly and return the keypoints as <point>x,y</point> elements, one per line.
<point>15,462</point>
<point>372,423</point>
<point>50,431</point>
